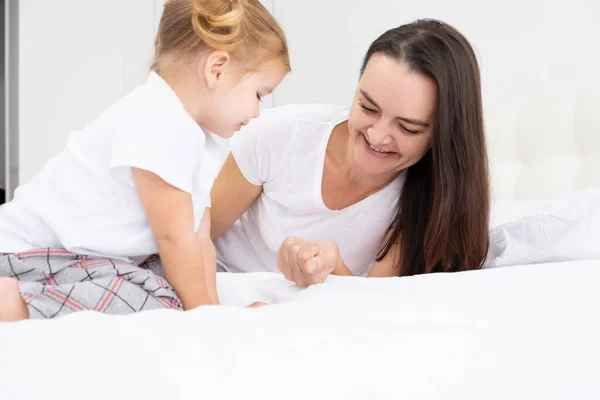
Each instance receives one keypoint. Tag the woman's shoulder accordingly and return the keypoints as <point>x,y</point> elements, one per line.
<point>296,122</point>
<point>284,132</point>
<point>319,113</point>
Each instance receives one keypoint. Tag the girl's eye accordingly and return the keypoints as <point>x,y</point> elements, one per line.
<point>258,96</point>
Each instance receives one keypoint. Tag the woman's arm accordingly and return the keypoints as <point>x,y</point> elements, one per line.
<point>387,267</point>
<point>231,196</point>
<point>379,269</point>
<point>182,252</point>
<point>210,256</point>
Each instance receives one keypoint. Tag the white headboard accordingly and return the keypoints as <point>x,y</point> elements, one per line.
<point>540,65</point>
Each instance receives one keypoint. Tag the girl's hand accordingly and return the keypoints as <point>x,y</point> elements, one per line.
<point>257,304</point>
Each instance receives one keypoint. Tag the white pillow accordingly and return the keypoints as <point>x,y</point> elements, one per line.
<point>564,229</point>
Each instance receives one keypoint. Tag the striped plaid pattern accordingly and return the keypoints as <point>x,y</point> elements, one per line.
<point>56,282</point>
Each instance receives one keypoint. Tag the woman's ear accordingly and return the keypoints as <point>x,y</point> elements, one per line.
<point>213,67</point>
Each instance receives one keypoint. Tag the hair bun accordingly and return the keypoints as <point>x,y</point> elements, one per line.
<point>218,22</point>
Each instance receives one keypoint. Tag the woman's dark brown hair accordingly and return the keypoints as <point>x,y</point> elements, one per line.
<point>442,218</point>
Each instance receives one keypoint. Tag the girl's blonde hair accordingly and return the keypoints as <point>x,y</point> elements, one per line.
<point>244,28</point>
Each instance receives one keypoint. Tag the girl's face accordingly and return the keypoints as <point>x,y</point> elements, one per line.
<point>235,98</point>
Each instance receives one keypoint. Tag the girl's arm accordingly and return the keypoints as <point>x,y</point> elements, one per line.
<point>183,252</point>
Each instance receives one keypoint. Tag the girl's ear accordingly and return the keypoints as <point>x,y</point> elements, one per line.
<point>213,67</point>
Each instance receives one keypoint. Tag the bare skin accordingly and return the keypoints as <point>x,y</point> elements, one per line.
<point>12,306</point>
<point>257,304</point>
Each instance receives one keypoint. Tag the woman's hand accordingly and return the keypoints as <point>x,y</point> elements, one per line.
<point>307,262</point>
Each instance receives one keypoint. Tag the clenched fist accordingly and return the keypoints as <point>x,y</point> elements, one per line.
<point>307,262</point>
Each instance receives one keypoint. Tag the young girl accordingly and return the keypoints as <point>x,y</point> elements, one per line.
<point>136,181</point>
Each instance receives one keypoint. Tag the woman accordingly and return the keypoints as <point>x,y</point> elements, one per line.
<point>396,186</point>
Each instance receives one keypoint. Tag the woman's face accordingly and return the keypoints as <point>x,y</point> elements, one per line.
<point>391,118</point>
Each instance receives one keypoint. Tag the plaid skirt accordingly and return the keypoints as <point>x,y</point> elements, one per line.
<point>56,282</point>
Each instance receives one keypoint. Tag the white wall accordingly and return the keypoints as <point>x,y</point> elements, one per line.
<point>538,58</point>
<point>539,61</point>
<point>77,57</point>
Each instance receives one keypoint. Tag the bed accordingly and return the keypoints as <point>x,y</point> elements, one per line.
<point>507,331</point>
<point>517,332</point>
<point>527,326</point>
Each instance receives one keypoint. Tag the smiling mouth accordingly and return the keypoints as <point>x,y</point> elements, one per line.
<point>375,149</point>
<point>379,151</point>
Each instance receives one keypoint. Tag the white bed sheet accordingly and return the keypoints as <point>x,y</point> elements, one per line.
<point>526,332</point>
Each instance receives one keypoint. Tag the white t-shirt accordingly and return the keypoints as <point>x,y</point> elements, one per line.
<point>84,199</point>
<point>284,151</point>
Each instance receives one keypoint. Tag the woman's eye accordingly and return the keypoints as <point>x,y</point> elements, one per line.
<point>367,109</point>
<point>409,131</point>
